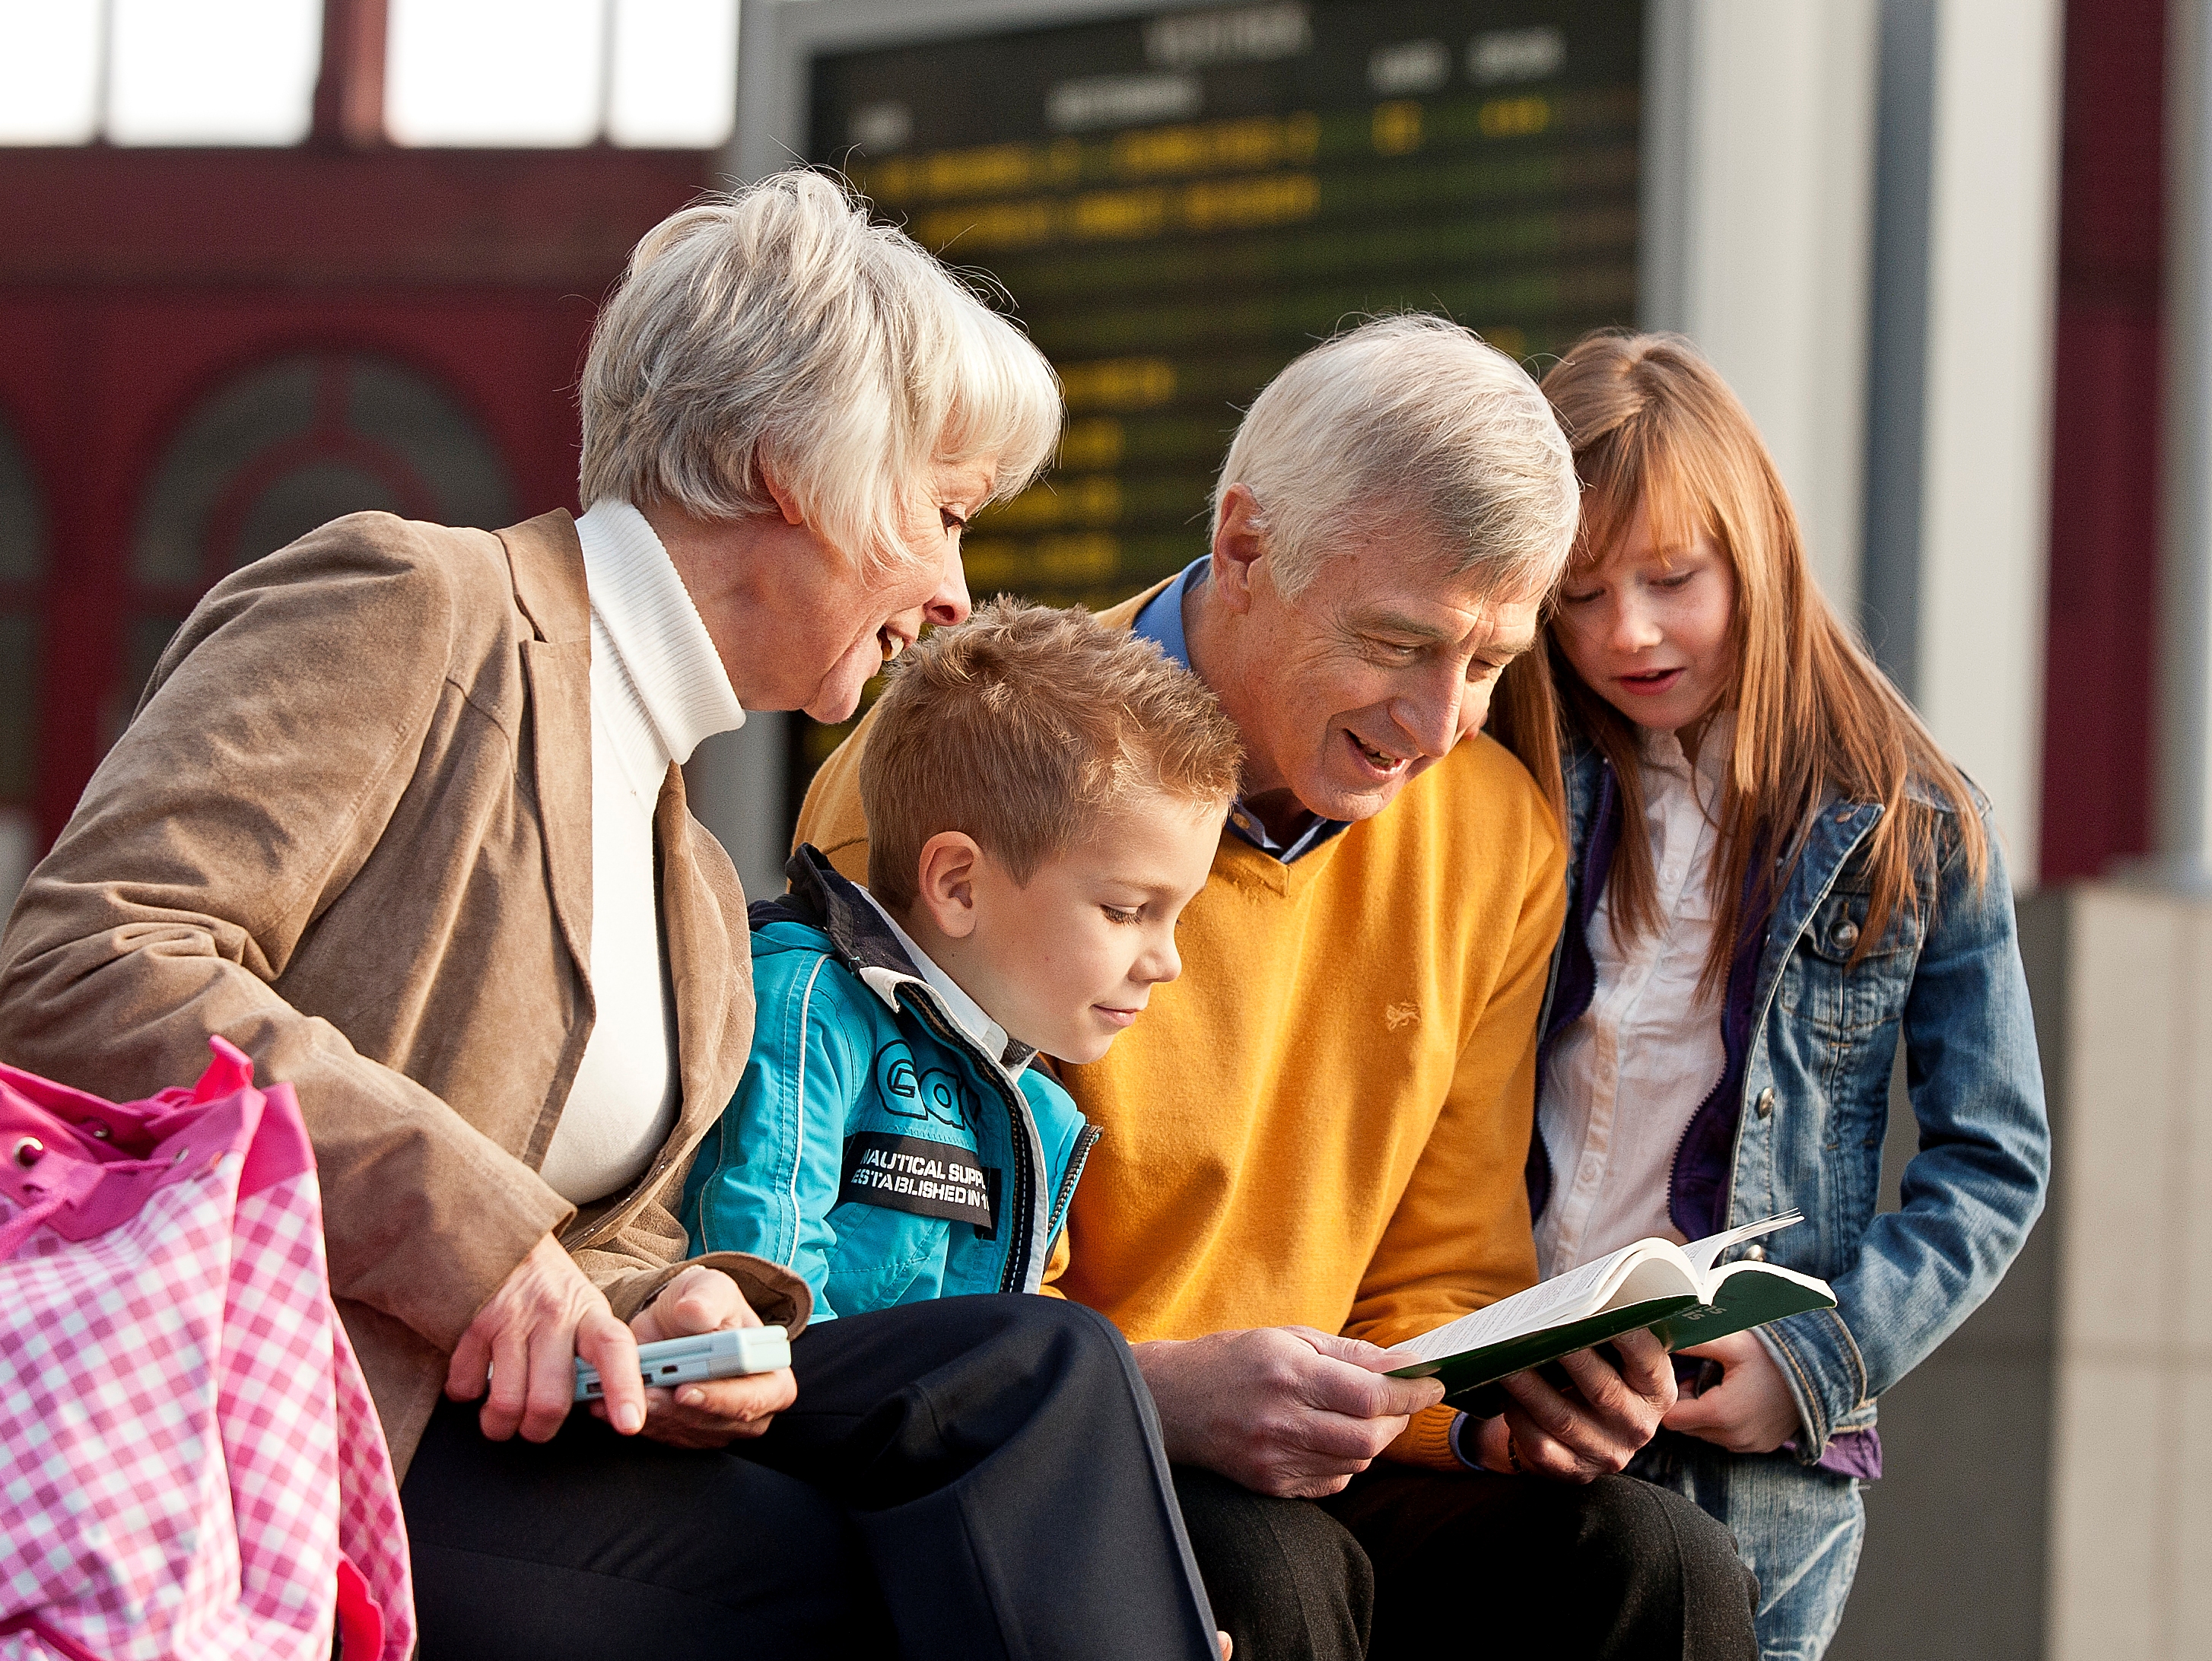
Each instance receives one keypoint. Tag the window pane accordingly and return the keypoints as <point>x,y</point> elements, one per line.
<point>214,72</point>
<point>236,424</point>
<point>19,703</point>
<point>675,83</point>
<point>494,72</point>
<point>49,72</point>
<point>23,529</point>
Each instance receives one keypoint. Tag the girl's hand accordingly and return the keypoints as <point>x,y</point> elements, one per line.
<point>1749,1410</point>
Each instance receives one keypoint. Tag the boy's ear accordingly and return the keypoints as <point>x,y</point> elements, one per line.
<point>946,882</point>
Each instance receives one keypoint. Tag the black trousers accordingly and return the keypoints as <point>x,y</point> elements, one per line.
<point>974,1477</point>
<point>1417,1563</point>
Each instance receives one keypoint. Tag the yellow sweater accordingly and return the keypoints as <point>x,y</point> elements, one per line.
<point>1325,1121</point>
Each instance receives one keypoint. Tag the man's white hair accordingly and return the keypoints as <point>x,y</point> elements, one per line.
<point>776,330</point>
<point>1408,423</point>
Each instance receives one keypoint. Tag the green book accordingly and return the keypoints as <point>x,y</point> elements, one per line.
<point>1674,1290</point>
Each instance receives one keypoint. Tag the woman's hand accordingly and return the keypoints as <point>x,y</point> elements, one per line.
<point>527,1336</point>
<point>719,1411</point>
<point>1750,1410</point>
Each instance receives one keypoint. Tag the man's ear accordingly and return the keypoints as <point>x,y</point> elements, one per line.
<point>947,882</point>
<point>1239,545</point>
<point>786,503</point>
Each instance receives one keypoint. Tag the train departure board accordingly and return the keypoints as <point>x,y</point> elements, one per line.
<point>1177,204</point>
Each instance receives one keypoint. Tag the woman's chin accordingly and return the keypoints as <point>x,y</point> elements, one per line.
<point>839,693</point>
<point>833,708</point>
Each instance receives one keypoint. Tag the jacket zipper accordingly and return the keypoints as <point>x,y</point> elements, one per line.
<point>1758,1020</point>
<point>1085,1139</point>
<point>1023,1204</point>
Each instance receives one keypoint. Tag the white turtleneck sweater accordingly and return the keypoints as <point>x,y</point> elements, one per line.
<point>657,687</point>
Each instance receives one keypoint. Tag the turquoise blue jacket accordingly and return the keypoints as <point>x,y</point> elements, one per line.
<point>873,1146</point>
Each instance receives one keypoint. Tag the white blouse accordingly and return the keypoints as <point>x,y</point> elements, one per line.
<point>657,687</point>
<point>1623,1081</point>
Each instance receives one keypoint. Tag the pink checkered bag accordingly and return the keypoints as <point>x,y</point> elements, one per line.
<point>192,1464</point>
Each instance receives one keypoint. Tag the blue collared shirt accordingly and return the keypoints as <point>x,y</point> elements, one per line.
<point>1161,622</point>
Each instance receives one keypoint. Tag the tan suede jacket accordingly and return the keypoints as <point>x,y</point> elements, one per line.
<point>349,828</point>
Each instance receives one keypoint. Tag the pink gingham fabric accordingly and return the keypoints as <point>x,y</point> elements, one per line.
<point>190,1462</point>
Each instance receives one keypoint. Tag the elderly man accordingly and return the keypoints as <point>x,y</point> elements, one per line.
<point>1314,1140</point>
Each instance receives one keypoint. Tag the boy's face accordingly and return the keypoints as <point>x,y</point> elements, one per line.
<point>1067,960</point>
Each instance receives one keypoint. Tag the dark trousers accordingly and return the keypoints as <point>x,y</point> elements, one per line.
<point>1417,1563</point>
<point>974,1477</point>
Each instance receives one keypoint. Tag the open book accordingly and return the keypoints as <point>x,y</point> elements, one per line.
<point>1673,1289</point>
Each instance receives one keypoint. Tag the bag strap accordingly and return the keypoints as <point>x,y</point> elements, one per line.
<point>361,1622</point>
<point>59,1642</point>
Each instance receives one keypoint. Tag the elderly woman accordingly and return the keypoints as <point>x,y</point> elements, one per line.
<point>401,815</point>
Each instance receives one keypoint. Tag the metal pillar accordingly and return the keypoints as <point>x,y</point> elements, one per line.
<point>2185,786</point>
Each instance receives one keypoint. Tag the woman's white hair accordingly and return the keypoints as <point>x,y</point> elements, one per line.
<point>1408,421</point>
<point>775,331</point>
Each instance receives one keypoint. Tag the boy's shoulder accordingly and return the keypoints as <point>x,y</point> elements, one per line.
<point>823,956</point>
<point>800,980</point>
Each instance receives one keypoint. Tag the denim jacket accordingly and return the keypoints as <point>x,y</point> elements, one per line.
<point>873,1147</point>
<point>1810,1048</point>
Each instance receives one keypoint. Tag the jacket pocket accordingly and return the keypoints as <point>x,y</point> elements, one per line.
<point>880,1254</point>
<point>1821,987</point>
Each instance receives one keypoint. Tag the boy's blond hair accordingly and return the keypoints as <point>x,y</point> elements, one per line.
<point>1019,728</point>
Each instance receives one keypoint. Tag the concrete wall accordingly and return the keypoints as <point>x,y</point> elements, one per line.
<point>1985,509</point>
<point>2131,1532</point>
<point>1759,150</point>
<point>2051,1485</point>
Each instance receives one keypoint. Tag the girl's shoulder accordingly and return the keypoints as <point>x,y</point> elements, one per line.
<point>1924,792</point>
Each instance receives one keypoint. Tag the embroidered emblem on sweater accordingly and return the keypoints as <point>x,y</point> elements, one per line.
<point>1400,1015</point>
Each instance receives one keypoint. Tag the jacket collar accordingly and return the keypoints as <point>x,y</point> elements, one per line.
<point>875,949</point>
<point>713,1009</point>
<point>545,564</point>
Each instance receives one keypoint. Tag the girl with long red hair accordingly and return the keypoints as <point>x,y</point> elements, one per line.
<point>1778,883</point>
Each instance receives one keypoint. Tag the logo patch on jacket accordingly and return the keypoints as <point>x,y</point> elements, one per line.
<point>928,1178</point>
<point>909,1093</point>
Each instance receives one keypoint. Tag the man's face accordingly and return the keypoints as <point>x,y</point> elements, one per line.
<point>1370,676</point>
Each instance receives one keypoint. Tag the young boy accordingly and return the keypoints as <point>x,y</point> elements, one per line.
<point>1044,795</point>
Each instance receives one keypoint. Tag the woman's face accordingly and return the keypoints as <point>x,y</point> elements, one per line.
<point>1648,627</point>
<point>856,621</point>
<point>801,625</point>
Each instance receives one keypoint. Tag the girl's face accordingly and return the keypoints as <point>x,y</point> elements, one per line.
<point>1648,628</point>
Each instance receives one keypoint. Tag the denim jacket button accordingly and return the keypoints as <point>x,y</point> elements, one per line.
<point>1754,1254</point>
<point>1765,1106</point>
<point>1846,934</point>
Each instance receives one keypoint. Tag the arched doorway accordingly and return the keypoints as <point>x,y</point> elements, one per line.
<point>290,444</point>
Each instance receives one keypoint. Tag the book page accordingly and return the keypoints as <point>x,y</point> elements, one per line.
<point>1701,1253</point>
<point>1546,1304</point>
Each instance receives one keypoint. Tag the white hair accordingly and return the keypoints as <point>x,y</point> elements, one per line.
<point>1408,421</point>
<point>776,329</point>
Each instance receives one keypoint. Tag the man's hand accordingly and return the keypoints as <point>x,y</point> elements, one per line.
<point>720,1410</point>
<point>1285,1411</point>
<point>527,1336</point>
<point>1750,1410</point>
<point>1594,1431</point>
